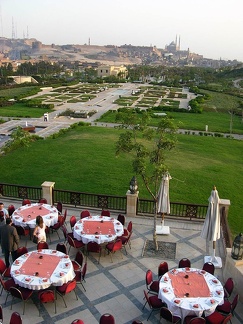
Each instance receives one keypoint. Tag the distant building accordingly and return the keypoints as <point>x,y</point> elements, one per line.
<point>108,70</point>
<point>22,79</point>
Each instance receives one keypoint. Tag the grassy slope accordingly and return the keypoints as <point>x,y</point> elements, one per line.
<point>84,160</point>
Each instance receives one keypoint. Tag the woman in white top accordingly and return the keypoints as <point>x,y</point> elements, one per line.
<point>39,230</point>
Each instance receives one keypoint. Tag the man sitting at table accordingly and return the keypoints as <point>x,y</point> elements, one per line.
<point>9,241</point>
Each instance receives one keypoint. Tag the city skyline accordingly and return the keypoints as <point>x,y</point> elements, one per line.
<point>209,28</point>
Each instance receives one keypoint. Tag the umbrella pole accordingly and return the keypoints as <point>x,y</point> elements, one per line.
<point>162,219</point>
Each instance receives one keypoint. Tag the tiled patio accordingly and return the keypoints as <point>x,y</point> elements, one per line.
<point>117,287</point>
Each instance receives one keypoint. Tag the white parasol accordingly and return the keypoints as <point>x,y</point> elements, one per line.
<point>163,202</point>
<point>211,226</point>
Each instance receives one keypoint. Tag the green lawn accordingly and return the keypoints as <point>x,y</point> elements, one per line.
<point>84,159</point>
<point>21,110</point>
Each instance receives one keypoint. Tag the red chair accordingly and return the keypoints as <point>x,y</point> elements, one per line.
<point>77,321</point>
<point>80,275</point>
<point>166,314</point>
<point>84,213</point>
<point>162,269</point>
<point>194,320</point>
<point>107,319</point>
<point>26,202</point>
<point>66,289</point>
<point>112,247</point>
<point>105,212</point>
<point>42,245</point>
<point>126,240</point>
<point>15,318</point>
<point>47,296</point>
<point>61,247</point>
<point>218,318</point>
<point>59,207</point>
<point>184,263</point>
<point>94,248</point>
<point>43,201</point>
<point>228,307</point>
<point>65,233</point>
<point>128,229</point>
<point>152,285</point>
<point>209,267</point>
<point>21,251</point>
<point>122,219</point>
<point>6,285</point>
<point>65,216</point>
<point>73,221</point>
<point>11,209</point>
<point>228,288</point>
<point>78,261</point>
<point>23,231</point>
<point>58,225</point>
<point>4,270</point>
<point>21,293</point>
<point>74,243</point>
<point>154,303</point>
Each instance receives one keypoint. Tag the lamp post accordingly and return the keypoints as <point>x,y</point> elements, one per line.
<point>133,185</point>
<point>237,248</point>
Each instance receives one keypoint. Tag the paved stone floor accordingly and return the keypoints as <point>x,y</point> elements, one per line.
<point>117,287</point>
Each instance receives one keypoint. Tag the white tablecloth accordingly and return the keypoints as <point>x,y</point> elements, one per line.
<point>62,273</point>
<point>191,305</point>
<point>26,215</point>
<point>79,234</point>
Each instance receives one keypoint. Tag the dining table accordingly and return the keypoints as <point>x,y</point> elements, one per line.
<point>41,269</point>
<point>99,229</point>
<point>26,215</point>
<point>190,291</point>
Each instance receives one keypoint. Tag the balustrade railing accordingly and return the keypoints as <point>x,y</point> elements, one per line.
<point>20,191</point>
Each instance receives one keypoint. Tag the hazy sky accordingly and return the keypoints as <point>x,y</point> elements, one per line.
<point>212,28</point>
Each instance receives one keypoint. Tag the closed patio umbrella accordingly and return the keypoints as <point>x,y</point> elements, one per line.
<point>211,226</point>
<point>163,203</point>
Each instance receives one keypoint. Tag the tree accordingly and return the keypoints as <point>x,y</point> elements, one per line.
<point>18,138</point>
<point>148,147</point>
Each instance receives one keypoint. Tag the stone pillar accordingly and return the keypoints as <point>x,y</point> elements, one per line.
<point>225,203</point>
<point>131,204</point>
<point>47,188</point>
<point>234,269</point>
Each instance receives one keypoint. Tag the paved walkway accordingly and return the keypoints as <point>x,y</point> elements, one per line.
<point>117,287</point>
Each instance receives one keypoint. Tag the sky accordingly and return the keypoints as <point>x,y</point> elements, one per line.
<point>212,28</point>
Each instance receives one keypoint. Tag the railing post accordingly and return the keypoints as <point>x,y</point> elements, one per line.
<point>47,188</point>
<point>131,204</point>
<point>224,203</point>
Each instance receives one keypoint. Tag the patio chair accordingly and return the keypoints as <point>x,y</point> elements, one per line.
<point>23,231</point>
<point>21,293</point>
<point>11,209</point>
<point>6,285</point>
<point>84,213</point>
<point>154,303</point>
<point>126,240</point>
<point>43,201</point>
<point>65,233</point>
<point>59,207</point>
<point>65,216</point>
<point>184,263</point>
<point>4,270</point>
<point>107,319</point>
<point>105,212</point>
<point>78,261</point>
<point>228,288</point>
<point>80,275</point>
<point>21,251</point>
<point>47,296</point>
<point>55,228</point>
<point>15,318</point>
<point>112,247</point>
<point>42,245</point>
<point>122,219</point>
<point>152,285</point>
<point>162,269</point>
<point>218,318</point>
<point>94,247</point>
<point>66,289</point>
<point>61,247</point>
<point>72,221</point>
<point>128,229</point>
<point>228,307</point>
<point>209,267</point>
<point>26,202</point>
<point>166,314</point>
<point>190,319</point>
<point>74,243</point>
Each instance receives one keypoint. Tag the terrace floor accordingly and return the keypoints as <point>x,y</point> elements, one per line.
<point>117,287</point>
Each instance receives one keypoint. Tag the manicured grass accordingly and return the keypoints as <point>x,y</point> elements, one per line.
<point>21,110</point>
<point>84,159</point>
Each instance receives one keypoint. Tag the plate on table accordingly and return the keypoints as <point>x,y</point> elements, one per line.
<point>218,293</point>
<point>215,281</point>
<point>177,301</point>
<point>66,265</point>
<point>165,279</point>
<point>196,306</point>
<point>44,279</point>
<point>211,302</point>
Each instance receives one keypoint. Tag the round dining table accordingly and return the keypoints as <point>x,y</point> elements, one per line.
<point>190,291</point>
<point>42,268</point>
<point>26,215</point>
<point>99,229</point>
